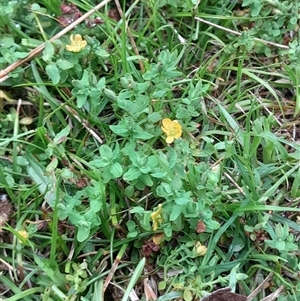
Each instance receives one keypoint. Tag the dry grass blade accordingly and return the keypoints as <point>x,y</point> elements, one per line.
<point>149,293</point>
<point>274,295</point>
<point>85,124</point>
<point>114,266</point>
<point>260,287</point>
<point>239,34</point>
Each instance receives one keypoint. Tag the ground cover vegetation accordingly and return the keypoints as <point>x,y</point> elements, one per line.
<point>150,150</point>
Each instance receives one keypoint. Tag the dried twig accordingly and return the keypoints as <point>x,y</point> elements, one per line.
<point>84,123</point>
<point>260,287</point>
<point>274,295</point>
<point>4,74</point>
<point>234,183</point>
<point>239,34</point>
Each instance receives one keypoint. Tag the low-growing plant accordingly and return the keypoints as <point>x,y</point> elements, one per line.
<point>150,146</point>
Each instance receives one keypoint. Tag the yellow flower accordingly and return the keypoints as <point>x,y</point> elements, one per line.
<point>172,129</point>
<point>77,43</point>
<point>199,249</point>
<point>158,239</point>
<point>157,217</point>
<point>24,234</point>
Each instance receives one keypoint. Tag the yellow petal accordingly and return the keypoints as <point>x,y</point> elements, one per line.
<point>172,129</point>
<point>166,131</point>
<point>72,39</point>
<point>158,238</point>
<point>69,47</point>
<point>177,128</point>
<point>167,122</point>
<point>200,249</point>
<point>169,139</point>
<point>77,43</point>
<point>24,234</point>
<point>156,217</point>
<point>78,38</point>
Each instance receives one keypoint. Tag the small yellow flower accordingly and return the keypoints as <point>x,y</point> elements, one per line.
<point>77,43</point>
<point>172,129</point>
<point>199,249</point>
<point>24,235</point>
<point>158,239</point>
<point>157,217</point>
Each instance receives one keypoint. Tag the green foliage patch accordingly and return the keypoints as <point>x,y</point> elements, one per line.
<point>185,173</point>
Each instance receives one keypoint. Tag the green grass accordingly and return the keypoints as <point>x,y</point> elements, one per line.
<point>103,207</point>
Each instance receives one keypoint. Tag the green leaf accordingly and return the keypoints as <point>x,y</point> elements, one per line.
<point>175,212</point>
<point>53,73</point>
<point>37,174</point>
<point>51,167</point>
<point>83,230</point>
<point>95,204</point>
<point>53,6</point>
<point>52,272</point>
<point>154,117</point>
<point>136,107</point>
<point>233,124</point>
<point>106,152</point>
<point>67,174</point>
<point>101,84</point>
<point>152,162</point>
<point>74,217</point>
<point>182,201</point>
<point>211,224</point>
<point>116,170</point>
<point>22,161</point>
<point>131,226</point>
<point>7,41</point>
<point>102,53</point>
<point>48,52</point>
<point>99,163</point>
<point>62,135</point>
<point>20,55</point>
<point>142,135</point>
<point>151,74</point>
<point>137,209</point>
<point>295,190</point>
<point>81,100</point>
<point>162,285</point>
<point>158,174</point>
<point>109,94</point>
<point>64,64</point>
<point>159,93</point>
<point>120,130</point>
<point>85,78</point>
<point>187,295</point>
<point>134,278</point>
<point>132,174</point>
<point>146,179</point>
<point>255,8</point>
